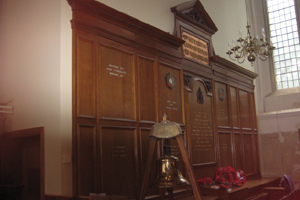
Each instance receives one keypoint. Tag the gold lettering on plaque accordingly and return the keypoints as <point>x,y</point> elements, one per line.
<point>116,70</point>
<point>195,48</point>
<point>119,151</point>
<point>171,105</point>
<point>175,150</point>
<point>223,113</point>
<point>202,135</point>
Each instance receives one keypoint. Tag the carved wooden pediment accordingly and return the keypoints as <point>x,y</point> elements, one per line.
<point>194,12</point>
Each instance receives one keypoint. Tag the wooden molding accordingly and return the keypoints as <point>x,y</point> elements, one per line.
<point>101,11</point>
<point>233,67</point>
<point>194,12</point>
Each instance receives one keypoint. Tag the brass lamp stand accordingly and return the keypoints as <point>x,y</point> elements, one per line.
<point>166,179</point>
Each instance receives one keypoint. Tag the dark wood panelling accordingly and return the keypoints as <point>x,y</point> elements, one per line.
<point>86,158</point>
<point>201,137</point>
<point>256,154</point>
<point>234,107</point>
<point>145,145</point>
<point>244,109</point>
<point>248,148</point>
<point>117,83</point>
<point>146,68</point>
<point>118,166</point>
<point>225,149</point>
<point>221,104</point>
<point>253,111</point>
<point>170,99</point>
<point>120,91</point>
<point>86,73</point>
<point>238,151</point>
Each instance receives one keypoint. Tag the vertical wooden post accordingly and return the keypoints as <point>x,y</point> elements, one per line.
<point>145,184</point>
<point>188,167</point>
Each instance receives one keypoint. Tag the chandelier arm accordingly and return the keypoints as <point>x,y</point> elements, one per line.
<point>231,57</point>
<point>239,53</point>
<point>241,61</point>
<point>263,58</point>
<point>240,50</point>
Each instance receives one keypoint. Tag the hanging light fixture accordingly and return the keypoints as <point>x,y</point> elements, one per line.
<point>250,47</point>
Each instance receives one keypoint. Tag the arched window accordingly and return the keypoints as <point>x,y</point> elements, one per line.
<point>284,20</point>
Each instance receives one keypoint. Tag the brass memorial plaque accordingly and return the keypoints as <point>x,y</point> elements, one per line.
<point>195,48</point>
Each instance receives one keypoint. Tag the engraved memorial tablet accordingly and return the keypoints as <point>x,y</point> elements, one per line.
<point>201,125</point>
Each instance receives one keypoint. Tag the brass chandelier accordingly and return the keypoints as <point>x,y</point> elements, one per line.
<point>250,48</point>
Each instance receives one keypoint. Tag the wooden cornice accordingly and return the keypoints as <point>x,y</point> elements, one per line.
<point>231,66</point>
<point>101,11</point>
<point>194,13</point>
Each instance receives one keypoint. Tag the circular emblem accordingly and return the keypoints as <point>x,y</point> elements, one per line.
<point>221,94</point>
<point>200,99</point>
<point>170,81</point>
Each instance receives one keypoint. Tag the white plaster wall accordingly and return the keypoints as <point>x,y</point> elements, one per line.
<point>35,65</point>
<point>35,75</point>
<point>66,98</point>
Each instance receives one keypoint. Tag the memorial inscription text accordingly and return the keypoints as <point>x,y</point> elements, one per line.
<point>195,48</point>
<point>202,136</point>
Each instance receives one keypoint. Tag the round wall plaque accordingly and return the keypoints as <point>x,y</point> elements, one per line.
<point>221,94</point>
<point>170,81</point>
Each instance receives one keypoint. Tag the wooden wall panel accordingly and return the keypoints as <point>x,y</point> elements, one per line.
<point>170,98</point>
<point>238,151</point>
<point>175,151</point>
<point>234,107</point>
<point>126,75</point>
<point>86,137</point>
<point>202,140</point>
<point>145,145</point>
<point>147,94</point>
<point>244,109</point>
<point>256,154</point>
<point>119,161</point>
<point>86,73</point>
<point>144,135</point>
<point>221,104</point>
<point>248,149</point>
<point>253,111</point>
<point>117,83</point>
<point>225,149</point>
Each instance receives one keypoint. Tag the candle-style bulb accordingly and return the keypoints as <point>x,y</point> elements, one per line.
<point>233,42</point>
<point>240,33</point>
